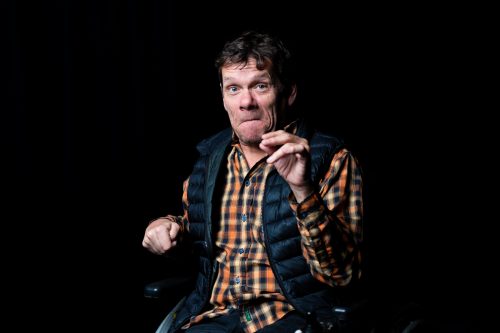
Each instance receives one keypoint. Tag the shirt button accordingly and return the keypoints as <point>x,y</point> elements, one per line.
<point>247,182</point>
<point>244,218</point>
<point>241,251</point>
<point>237,280</point>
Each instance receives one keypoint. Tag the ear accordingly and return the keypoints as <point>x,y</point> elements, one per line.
<point>293,95</point>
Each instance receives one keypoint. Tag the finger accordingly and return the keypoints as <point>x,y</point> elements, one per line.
<point>288,149</point>
<point>157,239</point>
<point>268,149</point>
<point>149,241</point>
<point>279,138</point>
<point>272,134</point>
<point>271,143</point>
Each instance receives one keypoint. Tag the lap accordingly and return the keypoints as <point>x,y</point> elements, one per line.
<point>231,324</point>
<point>223,324</point>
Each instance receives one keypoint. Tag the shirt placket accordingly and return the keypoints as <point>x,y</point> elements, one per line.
<point>241,242</point>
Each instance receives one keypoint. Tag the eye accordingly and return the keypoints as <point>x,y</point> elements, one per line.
<point>232,89</point>
<point>261,86</point>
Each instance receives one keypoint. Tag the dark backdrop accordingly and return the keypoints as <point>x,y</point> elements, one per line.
<point>105,101</point>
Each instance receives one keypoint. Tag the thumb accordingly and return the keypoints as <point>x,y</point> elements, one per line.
<point>174,230</point>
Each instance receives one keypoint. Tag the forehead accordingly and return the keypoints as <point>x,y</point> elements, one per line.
<point>243,69</point>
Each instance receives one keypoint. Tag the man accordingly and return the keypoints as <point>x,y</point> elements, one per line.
<point>273,208</point>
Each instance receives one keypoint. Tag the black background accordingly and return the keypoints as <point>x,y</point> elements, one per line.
<point>105,101</point>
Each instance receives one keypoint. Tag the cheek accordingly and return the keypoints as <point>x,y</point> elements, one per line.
<point>232,115</point>
<point>229,105</point>
<point>271,111</point>
<point>269,104</point>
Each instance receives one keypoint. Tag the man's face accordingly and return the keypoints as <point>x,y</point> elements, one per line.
<point>251,101</point>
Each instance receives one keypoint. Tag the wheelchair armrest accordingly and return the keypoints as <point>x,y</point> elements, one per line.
<point>353,316</point>
<point>175,285</point>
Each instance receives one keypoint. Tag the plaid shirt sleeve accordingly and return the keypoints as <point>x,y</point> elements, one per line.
<point>329,221</point>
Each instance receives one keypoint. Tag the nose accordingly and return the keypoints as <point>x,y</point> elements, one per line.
<point>247,100</point>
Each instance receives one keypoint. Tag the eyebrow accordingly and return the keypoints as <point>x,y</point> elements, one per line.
<point>257,77</point>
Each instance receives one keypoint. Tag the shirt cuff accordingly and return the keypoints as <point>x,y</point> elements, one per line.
<point>308,210</point>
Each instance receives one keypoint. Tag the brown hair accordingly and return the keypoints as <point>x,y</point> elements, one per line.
<point>266,50</point>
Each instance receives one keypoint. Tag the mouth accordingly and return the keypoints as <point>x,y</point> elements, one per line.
<point>248,120</point>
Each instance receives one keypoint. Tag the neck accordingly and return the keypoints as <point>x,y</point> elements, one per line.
<point>253,154</point>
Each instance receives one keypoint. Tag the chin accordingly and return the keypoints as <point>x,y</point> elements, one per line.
<point>250,140</point>
<point>251,132</point>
